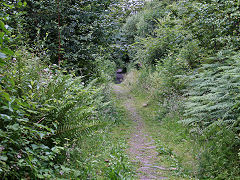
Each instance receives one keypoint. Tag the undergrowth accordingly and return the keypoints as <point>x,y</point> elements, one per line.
<point>195,152</point>
<point>102,155</point>
<point>188,61</point>
<point>46,116</point>
<point>99,156</point>
<point>176,148</point>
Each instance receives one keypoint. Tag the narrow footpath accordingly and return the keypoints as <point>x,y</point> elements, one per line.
<point>142,150</point>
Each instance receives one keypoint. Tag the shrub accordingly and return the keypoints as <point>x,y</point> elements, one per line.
<point>40,107</point>
<point>212,112</point>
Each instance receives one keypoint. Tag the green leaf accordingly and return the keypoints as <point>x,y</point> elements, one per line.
<point>5,117</point>
<point>34,146</point>
<point>29,160</point>
<point>2,133</point>
<point>7,51</point>
<point>44,147</point>
<point>1,37</point>
<point>6,96</point>
<point>10,6</point>
<point>3,158</point>
<point>2,56</point>
<point>23,120</point>
<point>2,26</point>
<point>20,3</point>
<point>2,63</point>
<point>14,127</point>
<point>41,135</point>
<point>40,176</point>
<point>31,111</point>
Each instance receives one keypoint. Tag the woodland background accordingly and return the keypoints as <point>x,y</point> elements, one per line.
<point>58,58</point>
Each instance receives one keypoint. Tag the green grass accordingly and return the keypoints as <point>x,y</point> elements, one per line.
<point>103,154</point>
<point>174,145</point>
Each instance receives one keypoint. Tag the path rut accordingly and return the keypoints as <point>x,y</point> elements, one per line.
<point>142,149</point>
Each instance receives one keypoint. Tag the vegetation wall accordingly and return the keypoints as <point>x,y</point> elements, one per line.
<point>188,52</point>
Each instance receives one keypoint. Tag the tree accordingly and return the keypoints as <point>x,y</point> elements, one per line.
<point>82,27</point>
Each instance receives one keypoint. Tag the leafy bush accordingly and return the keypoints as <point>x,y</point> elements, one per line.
<point>191,49</point>
<point>40,108</point>
<point>212,112</point>
<point>24,149</point>
<point>144,23</point>
<point>213,23</point>
<point>73,32</point>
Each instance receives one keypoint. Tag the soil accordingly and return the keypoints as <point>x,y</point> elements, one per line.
<point>142,149</point>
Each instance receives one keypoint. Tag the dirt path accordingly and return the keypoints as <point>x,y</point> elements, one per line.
<point>142,149</point>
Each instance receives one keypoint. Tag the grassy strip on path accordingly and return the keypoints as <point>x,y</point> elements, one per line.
<point>103,155</point>
<point>174,145</point>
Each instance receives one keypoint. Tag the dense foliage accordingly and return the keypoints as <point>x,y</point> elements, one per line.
<point>75,33</point>
<point>46,110</point>
<point>72,32</point>
<point>40,110</point>
<point>212,112</point>
<point>56,58</point>
<point>189,52</point>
